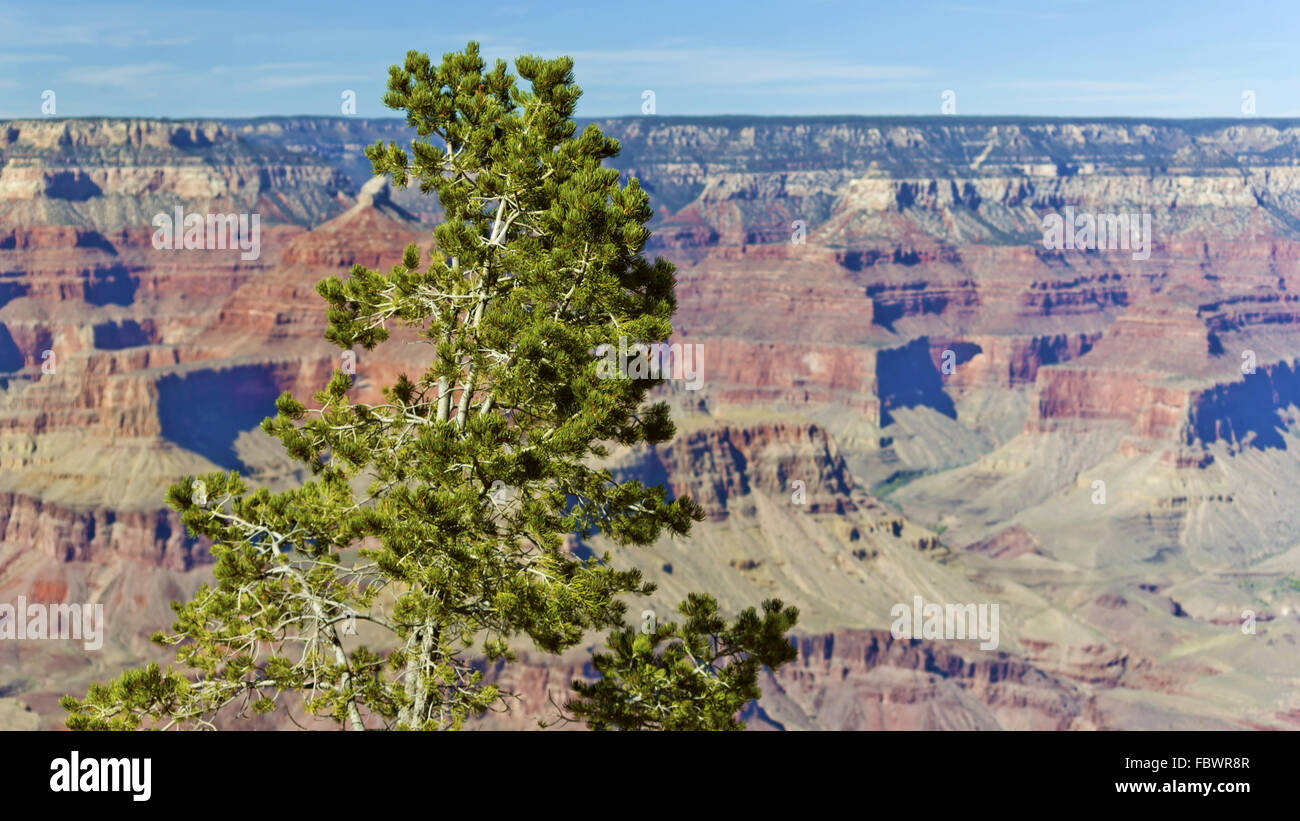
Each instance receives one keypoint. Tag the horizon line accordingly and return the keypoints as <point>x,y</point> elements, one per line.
<point>692,117</point>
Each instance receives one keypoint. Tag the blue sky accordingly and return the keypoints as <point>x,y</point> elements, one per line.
<point>1145,58</point>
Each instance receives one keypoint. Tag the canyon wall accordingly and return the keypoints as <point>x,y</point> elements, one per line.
<point>878,320</point>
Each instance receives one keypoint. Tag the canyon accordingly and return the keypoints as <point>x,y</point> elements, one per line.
<point>904,393</point>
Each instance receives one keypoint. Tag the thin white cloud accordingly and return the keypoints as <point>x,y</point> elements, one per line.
<point>11,59</point>
<point>311,80</point>
<point>169,41</point>
<point>16,32</point>
<point>735,67</point>
<point>1080,85</point>
<point>95,27</point>
<point>125,77</point>
<point>285,66</point>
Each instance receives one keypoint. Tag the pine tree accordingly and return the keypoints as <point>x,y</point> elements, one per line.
<point>706,672</point>
<point>436,516</point>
